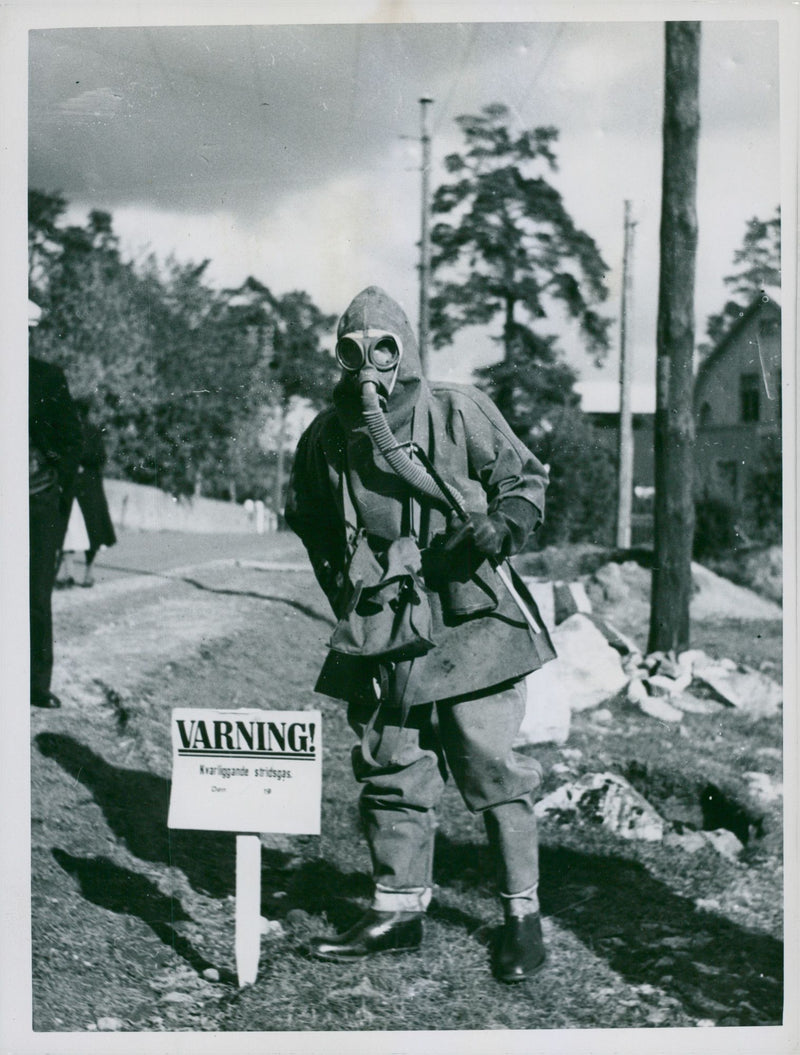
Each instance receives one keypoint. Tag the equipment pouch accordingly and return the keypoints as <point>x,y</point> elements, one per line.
<point>388,613</point>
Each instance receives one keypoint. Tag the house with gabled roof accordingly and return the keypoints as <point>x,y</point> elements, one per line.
<point>737,402</point>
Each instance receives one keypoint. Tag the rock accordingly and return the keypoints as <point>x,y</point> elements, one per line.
<point>631,664</point>
<point>271,928</point>
<point>654,707</point>
<point>572,754</point>
<point>365,988</point>
<point>659,685</point>
<point>564,604</point>
<point>663,675</point>
<point>681,683</point>
<point>588,669</point>
<point>689,840</point>
<point>693,658</point>
<point>767,752</point>
<point>581,597</point>
<point>542,593</point>
<point>719,598</point>
<point>764,570</point>
<point>603,716</point>
<point>763,789</point>
<point>569,598</point>
<point>297,917</point>
<point>110,1025</point>
<point>607,799</point>
<point>658,1016</point>
<point>747,690</point>
<point>725,843</point>
<point>695,705</point>
<point>668,665</point>
<point>609,577</point>
<point>707,904</point>
<point>635,691</point>
<point>176,997</point>
<point>623,644</point>
<point>677,941</point>
<point>211,974</point>
<point>561,769</point>
<point>547,712</point>
<point>425,987</point>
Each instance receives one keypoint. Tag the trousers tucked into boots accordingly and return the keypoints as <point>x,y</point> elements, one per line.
<point>402,763</point>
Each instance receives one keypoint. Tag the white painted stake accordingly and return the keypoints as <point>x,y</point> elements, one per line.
<point>248,907</point>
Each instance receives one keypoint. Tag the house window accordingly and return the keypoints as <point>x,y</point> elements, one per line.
<point>748,397</point>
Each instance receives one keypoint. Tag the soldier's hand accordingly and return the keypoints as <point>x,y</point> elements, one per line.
<point>488,534</point>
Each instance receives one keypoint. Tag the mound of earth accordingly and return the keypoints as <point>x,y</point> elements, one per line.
<point>714,597</point>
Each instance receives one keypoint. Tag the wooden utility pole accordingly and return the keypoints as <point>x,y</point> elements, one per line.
<point>425,239</point>
<point>280,466</point>
<point>625,439</point>
<point>674,426</point>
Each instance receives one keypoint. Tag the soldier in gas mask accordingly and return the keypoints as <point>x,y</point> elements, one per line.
<point>433,646</point>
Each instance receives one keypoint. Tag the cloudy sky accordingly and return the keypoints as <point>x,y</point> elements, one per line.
<point>291,152</point>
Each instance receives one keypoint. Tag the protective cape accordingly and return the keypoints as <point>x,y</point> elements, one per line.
<point>481,638</point>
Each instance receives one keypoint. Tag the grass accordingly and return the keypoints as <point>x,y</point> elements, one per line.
<point>127,916</point>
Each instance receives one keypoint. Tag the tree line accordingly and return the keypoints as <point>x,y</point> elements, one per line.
<point>191,385</point>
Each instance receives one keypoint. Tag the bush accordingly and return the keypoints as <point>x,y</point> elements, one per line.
<point>580,505</point>
<point>764,498</point>
<point>715,529</point>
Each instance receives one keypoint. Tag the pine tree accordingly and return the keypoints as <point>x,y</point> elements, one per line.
<point>758,263</point>
<point>513,250</point>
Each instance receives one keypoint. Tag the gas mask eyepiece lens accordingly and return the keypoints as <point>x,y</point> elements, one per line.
<point>385,353</point>
<point>350,354</point>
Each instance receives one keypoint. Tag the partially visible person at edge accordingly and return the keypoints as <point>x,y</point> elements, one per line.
<point>54,444</point>
<point>90,499</point>
<point>474,676</point>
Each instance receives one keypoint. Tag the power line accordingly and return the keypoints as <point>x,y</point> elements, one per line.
<point>540,68</point>
<point>444,110</point>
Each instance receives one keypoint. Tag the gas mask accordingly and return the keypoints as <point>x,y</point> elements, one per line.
<point>370,356</point>
<point>371,359</point>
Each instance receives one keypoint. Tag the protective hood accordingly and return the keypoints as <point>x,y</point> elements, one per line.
<point>374,309</point>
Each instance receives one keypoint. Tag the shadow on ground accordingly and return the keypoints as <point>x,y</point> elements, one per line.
<point>135,805</point>
<point>304,609</point>
<point>646,932</point>
<point>119,890</point>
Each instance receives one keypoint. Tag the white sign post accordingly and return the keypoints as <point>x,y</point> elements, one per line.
<point>248,907</point>
<point>246,771</point>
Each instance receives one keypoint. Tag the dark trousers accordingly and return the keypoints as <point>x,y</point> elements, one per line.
<point>45,530</point>
<point>402,763</point>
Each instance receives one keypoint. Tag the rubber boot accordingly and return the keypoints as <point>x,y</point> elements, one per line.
<point>520,952</point>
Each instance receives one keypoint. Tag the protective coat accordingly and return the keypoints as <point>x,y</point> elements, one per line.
<point>482,639</point>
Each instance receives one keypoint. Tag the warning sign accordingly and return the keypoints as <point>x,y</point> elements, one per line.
<point>246,770</point>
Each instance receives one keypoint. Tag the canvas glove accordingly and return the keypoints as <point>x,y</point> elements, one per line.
<point>488,534</point>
